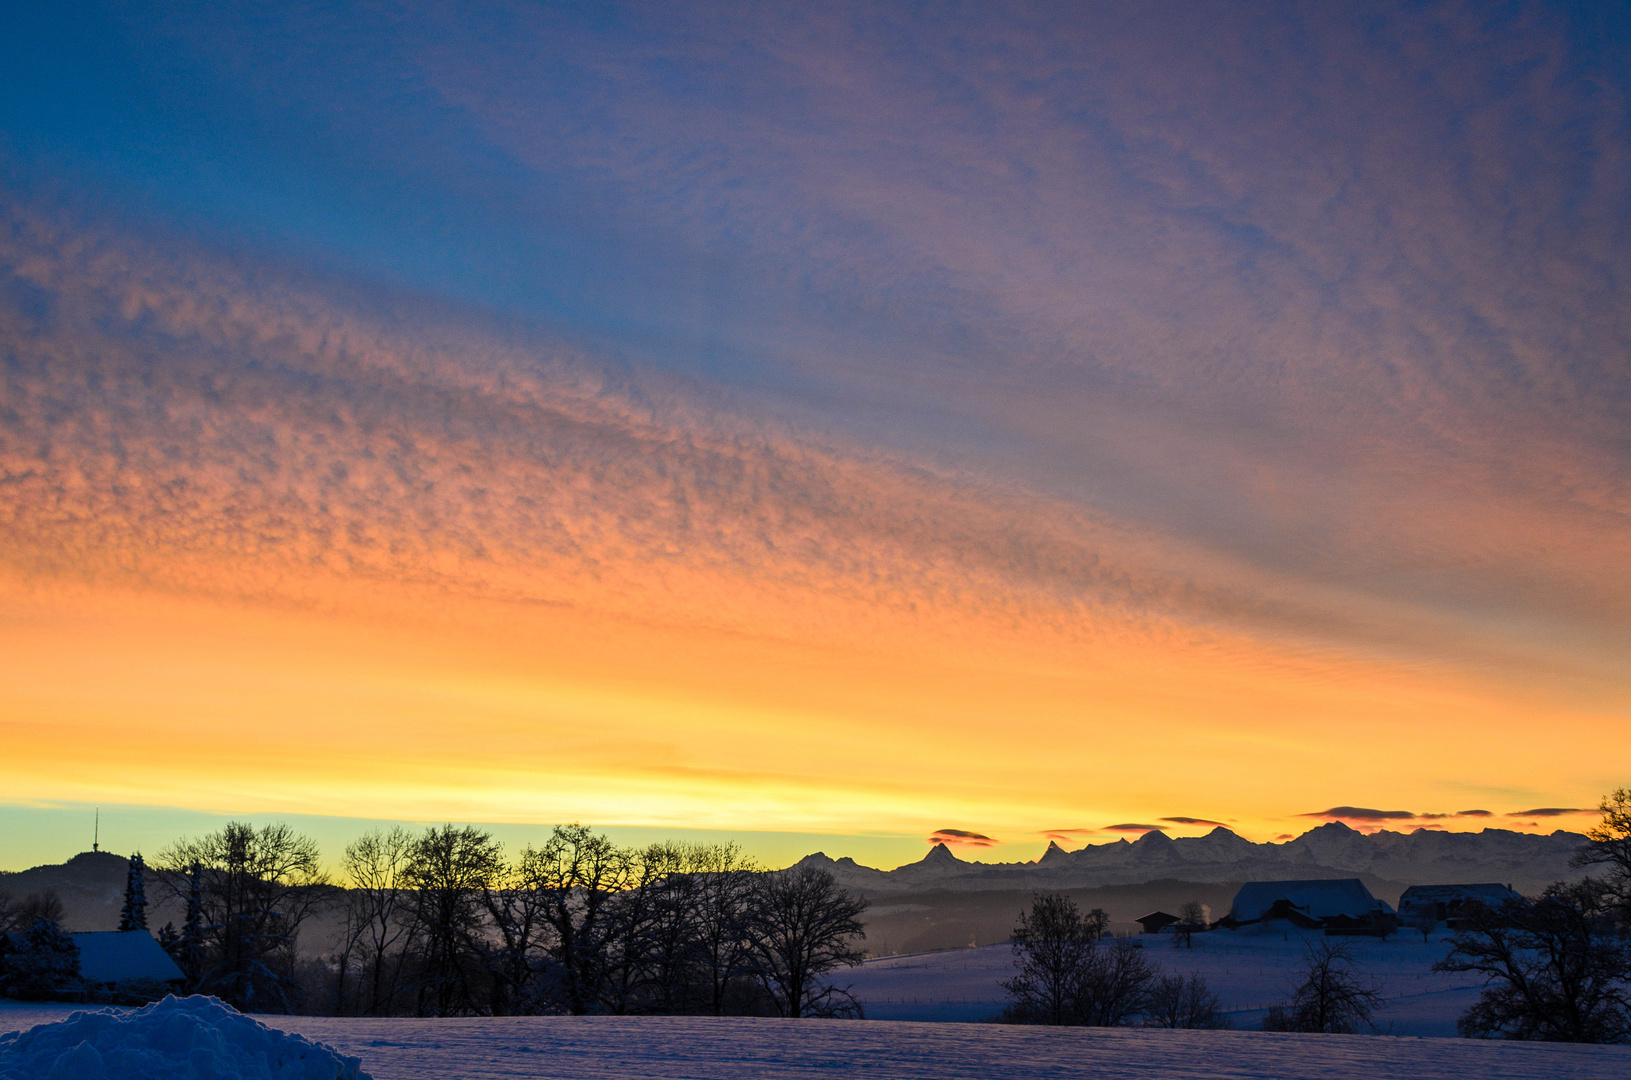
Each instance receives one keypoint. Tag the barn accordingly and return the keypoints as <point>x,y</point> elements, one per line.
<point>1339,903</point>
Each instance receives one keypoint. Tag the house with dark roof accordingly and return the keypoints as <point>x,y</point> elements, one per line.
<point>1157,921</point>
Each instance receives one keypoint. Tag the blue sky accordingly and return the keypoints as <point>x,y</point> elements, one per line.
<point>1297,325</point>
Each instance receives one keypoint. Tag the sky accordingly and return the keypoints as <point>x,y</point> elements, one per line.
<point>832,425</point>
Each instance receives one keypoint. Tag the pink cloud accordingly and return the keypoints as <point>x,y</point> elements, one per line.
<point>955,837</point>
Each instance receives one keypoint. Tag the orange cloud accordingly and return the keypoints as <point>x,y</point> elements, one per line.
<point>264,550</point>
<point>962,837</point>
<point>1361,813</point>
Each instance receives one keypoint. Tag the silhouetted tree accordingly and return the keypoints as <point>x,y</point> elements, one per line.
<point>1608,845</point>
<point>133,916</point>
<point>192,928</point>
<point>522,976</point>
<point>671,930</point>
<point>1113,987</point>
<point>578,873</point>
<point>448,875</point>
<point>1053,948</point>
<point>254,890</point>
<point>648,933</point>
<point>378,916</point>
<point>804,927</point>
<point>1424,921</point>
<point>1191,917</point>
<point>45,904</point>
<point>1557,968</point>
<point>1330,997</point>
<point>187,947</point>
<point>724,899</point>
<point>10,913</point>
<point>1174,1002</point>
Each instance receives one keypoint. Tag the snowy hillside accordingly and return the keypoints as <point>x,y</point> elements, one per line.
<point>615,1048</point>
<point>1248,970</point>
<point>1527,861</point>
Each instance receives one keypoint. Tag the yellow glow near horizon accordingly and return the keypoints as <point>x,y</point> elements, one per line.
<point>418,572</point>
<point>488,712</point>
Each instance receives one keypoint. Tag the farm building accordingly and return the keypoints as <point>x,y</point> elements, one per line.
<point>1342,904</point>
<point>1445,903</point>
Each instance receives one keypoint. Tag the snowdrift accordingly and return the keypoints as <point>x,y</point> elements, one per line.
<point>193,1038</point>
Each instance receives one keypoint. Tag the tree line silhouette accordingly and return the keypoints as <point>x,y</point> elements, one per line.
<point>443,922</point>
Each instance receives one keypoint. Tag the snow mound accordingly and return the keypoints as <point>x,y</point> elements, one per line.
<point>191,1038</point>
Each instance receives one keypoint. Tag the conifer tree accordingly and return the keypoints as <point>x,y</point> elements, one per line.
<point>191,946</point>
<point>134,914</point>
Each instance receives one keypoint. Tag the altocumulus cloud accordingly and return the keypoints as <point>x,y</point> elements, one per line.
<point>961,836</point>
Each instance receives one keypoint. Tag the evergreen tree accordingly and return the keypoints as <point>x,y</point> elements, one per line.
<point>134,914</point>
<point>40,960</point>
<point>170,940</point>
<point>191,945</point>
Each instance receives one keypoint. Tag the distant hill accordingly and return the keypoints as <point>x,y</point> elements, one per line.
<point>91,884</point>
<point>1526,861</point>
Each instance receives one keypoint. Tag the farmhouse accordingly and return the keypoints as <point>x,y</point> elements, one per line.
<point>1157,921</point>
<point>1446,903</point>
<point>1339,905</point>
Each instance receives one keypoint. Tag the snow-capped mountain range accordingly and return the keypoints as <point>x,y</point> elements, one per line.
<point>1525,860</point>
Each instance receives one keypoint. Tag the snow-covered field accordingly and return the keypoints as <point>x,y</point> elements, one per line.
<point>1248,970</point>
<point>622,1048</point>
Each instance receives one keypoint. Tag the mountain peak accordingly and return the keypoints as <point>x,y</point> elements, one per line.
<point>939,855</point>
<point>1053,854</point>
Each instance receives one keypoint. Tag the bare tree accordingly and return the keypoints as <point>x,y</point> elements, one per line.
<point>256,889</point>
<point>577,874</point>
<point>1175,1002</point>
<point>45,904</point>
<point>1424,920</point>
<point>378,915</point>
<point>1556,969</point>
<point>654,936</point>
<point>1331,997</point>
<point>724,913</point>
<point>805,927</point>
<point>448,875</point>
<point>1191,917</point>
<point>1608,844</point>
<point>518,908</point>
<point>1053,946</point>
<point>1113,987</point>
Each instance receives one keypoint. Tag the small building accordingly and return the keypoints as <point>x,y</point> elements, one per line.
<point>1309,905</point>
<point>108,958</point>
<point>1447,903</point>
<point>1157,921</point>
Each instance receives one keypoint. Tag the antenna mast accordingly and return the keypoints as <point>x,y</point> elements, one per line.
<point>96,834</point>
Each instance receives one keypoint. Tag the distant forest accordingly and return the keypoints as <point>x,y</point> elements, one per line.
<point>443,923</point>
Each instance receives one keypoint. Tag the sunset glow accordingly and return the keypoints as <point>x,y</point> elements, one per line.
<point>725,419</point>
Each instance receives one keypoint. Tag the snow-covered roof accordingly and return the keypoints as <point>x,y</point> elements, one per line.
<point>1317,899</point>
<point>112,956</point>
<point>1490,893</point>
